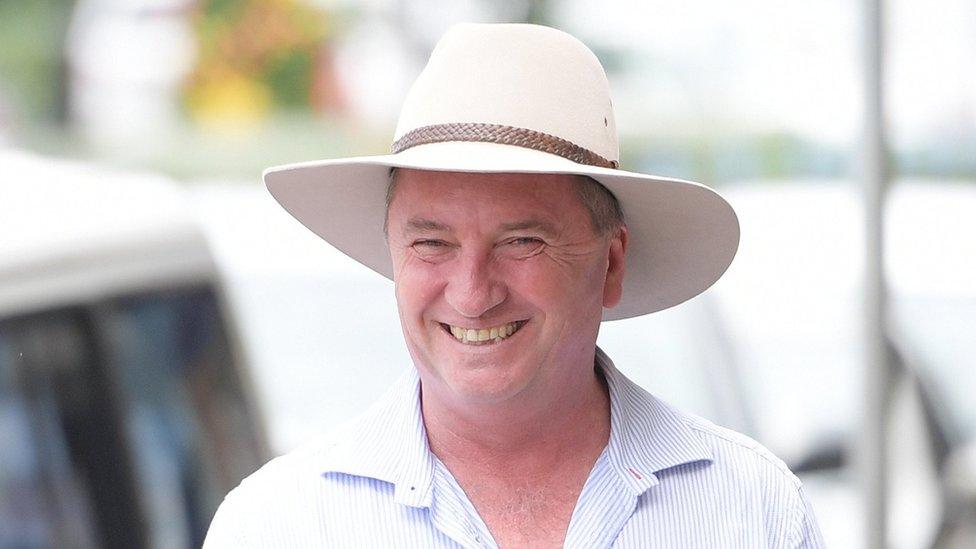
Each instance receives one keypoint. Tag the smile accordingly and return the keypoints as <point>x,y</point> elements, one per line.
<point>483,336</point>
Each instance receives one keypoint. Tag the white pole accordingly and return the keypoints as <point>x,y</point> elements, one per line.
<point>871,449</point>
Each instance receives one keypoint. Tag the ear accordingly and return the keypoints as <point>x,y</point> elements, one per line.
<point>613,287</point>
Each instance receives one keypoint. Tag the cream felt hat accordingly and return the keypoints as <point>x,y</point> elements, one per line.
<point>520,98</point>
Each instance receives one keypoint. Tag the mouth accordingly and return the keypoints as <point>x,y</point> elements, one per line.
<point>483,336</point>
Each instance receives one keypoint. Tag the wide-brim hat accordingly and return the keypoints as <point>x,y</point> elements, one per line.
<point>514,98</point>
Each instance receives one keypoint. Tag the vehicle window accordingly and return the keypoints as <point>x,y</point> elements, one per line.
<point>128,422</point>
<point>64,471</point>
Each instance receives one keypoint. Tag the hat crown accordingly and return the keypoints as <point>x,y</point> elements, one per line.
<point>519,75</point>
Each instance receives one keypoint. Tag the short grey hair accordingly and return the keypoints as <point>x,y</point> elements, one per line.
<point>606,215</point>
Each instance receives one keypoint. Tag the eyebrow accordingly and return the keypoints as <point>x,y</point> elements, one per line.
<point>422,224</point>
<point>542,226</point>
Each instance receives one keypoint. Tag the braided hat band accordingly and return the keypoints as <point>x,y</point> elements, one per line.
<point>502,135</point>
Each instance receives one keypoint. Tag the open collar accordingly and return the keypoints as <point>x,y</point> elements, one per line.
<point>389,442</point>
<point>647,435</point>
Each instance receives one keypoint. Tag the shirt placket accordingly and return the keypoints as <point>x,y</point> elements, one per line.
<point>454,515</point>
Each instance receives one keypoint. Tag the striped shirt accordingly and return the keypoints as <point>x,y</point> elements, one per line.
<point>665,479</point>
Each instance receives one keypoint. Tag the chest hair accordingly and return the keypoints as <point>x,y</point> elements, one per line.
<point>526,515</point>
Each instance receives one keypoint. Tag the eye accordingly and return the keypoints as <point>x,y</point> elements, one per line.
<point>522,247</point>
<point>523,241</point>
<point>430,249</point>
<point>432,244</point>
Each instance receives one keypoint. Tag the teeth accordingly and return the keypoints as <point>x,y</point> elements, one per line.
<point>496,333</point>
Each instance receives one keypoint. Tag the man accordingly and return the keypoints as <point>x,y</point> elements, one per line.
<point>500,218</point>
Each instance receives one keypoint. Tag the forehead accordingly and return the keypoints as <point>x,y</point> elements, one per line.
<point>486,195</point>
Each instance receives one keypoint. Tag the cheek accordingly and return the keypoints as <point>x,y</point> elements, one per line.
<point>552,288</point>
<point>416,289</point>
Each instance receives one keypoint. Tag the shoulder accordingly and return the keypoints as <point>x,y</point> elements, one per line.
<point>275,502</point>
<point>300,469</point>
<point>681,445</point>
<point>737,452</point>
<point>743,468</point>
<point>285,473</point>
<point>747,475</point>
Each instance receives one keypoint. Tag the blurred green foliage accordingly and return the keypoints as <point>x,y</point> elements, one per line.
<point>726,157</point>
<point>32,66</point>
<point>255,56</point>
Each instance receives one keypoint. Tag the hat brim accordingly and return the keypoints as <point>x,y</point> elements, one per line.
<point>682,238</point>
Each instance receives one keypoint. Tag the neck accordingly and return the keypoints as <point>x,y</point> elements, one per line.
<point>524,436</point>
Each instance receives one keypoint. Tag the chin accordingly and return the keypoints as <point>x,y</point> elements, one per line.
<point>485,382</point>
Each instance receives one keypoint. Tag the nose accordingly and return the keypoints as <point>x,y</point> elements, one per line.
<point>473,288</point>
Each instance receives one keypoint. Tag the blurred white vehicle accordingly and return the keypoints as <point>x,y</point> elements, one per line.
<point>793,307</point>
<point>123,413</point>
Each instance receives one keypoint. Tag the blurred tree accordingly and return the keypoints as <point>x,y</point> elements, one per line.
<point>32,66</point>
<point>255,56</point>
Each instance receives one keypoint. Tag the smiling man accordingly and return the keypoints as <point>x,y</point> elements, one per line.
<point>500,216</point>
<point>501,281</point>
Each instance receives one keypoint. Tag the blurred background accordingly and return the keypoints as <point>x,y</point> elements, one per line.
<point>165,328</point>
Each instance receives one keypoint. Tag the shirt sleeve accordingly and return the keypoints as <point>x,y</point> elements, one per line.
<point>806,531</point>
<point>226,528</point>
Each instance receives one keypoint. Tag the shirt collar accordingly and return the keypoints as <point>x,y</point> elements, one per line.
<point>389,441</point>
<point>647,436</point>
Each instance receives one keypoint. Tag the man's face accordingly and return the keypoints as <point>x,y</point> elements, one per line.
<point>500,280</point>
